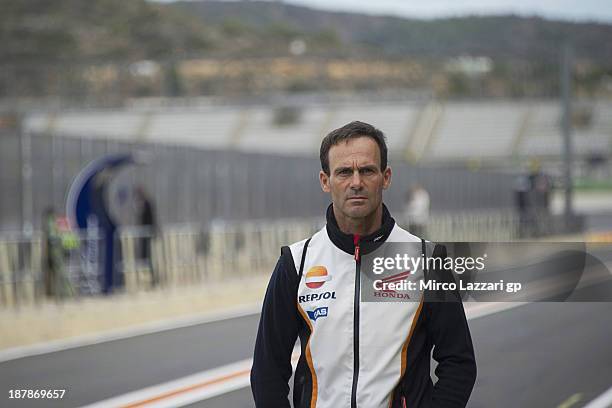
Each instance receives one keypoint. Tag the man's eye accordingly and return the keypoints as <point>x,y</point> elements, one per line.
<point>345,172</point>
<point>366,171</point>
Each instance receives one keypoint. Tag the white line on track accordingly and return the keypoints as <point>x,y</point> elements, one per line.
<point>187,390</point>
<point>603,401</point>
<point>232,377</point>
<point>133,331</point>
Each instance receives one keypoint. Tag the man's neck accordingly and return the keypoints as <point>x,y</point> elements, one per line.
<point>359,226</point>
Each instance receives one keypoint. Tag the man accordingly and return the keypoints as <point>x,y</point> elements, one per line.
<point>355,353</point>
<point>416,210</point>
<point>146,219</point>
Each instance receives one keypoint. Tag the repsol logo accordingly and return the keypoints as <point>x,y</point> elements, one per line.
<point>316,296</point>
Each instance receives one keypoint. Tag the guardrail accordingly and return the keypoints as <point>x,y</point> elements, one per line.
<point>184,255</point>
<point>187,255</point>
<point>20,266</point>
<point>33,267</point>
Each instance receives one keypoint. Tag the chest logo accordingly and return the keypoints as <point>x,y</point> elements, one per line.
<point>313,297</point>
<point>317,276</point>
<point>318,312</point>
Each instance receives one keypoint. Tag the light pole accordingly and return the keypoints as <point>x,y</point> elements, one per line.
<point>566,126</point>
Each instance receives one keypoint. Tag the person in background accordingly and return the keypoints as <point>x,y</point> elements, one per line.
<point>52,252</point>
<point>416,211</point>
<point>147,220</point>
<point>522,185</point>
<point>58,241</point>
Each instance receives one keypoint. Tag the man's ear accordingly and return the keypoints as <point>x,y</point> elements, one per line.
<point>324,179</point>
<point>387,178</point>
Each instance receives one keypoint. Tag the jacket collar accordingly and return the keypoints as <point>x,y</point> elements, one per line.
<point>368,243</point>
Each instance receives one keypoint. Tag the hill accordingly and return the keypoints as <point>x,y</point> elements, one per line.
<point>75,31</point>
<point>137,29</point>
<point>113,49</point>
<point>508,37</point>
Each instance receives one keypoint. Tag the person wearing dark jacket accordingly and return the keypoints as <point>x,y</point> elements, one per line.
<point>355,353</point>
<point>146,220</point>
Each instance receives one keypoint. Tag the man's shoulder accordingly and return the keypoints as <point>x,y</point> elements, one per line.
<point>297,246</point>
<point>295,250</point>
<point>398,234</point>
<point>434,249</point>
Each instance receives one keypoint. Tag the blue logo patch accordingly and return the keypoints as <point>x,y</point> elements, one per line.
<point>318,312</point>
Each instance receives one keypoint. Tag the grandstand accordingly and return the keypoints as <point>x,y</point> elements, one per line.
<point>257,131</point>
<point>542,134</point>
<point>468,131</point>
<point>397,121</point>
<point>491,133</point>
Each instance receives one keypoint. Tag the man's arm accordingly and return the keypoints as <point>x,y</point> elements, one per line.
<point>276,336</point>
<point>449,332</point>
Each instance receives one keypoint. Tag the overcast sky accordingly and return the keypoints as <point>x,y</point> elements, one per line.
<point>600,10</point>
<point>582,10</point>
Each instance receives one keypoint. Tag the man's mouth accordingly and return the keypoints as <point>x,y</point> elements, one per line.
<point>358,198</point>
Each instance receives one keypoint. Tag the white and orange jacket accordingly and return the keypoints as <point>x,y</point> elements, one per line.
<point>356,353</point>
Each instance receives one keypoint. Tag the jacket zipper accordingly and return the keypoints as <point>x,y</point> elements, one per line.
<point>356,321</point>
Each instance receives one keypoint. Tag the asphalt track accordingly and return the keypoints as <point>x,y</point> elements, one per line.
<point>534,355</point>
<point>100,371</point>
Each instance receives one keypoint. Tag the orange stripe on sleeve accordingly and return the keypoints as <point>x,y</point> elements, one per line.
<point>313,399</point>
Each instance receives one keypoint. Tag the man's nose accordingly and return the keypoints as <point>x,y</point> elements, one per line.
<point>356,180</point>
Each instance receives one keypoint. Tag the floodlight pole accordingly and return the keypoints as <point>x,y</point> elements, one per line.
<point>566,125</point>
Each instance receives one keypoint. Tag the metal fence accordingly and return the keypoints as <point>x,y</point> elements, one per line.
<point>187,255</point>
<point>34,266</point>
<point>20,269</point>
<point>177,256</point>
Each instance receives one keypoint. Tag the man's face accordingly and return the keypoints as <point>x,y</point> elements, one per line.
<point>356,181</point>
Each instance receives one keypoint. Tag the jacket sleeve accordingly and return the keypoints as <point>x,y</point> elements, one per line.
<point>448,330</point>
<point>276,337</point>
